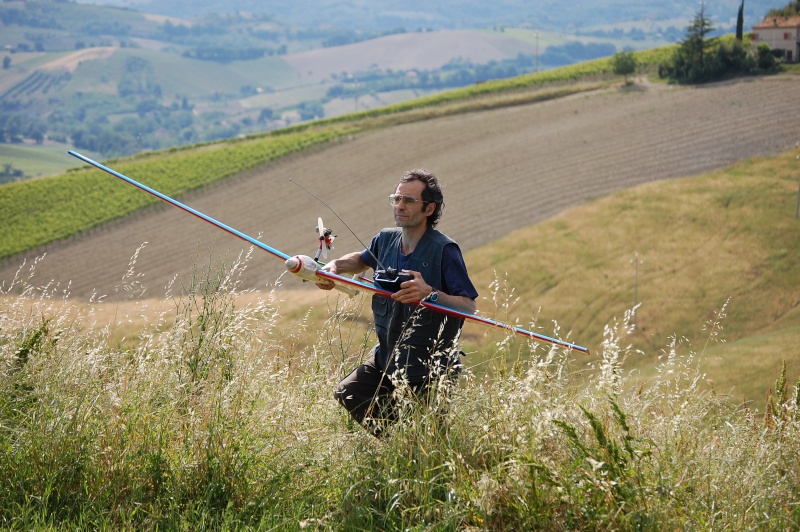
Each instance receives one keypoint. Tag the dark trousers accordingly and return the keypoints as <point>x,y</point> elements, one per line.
<point>368,394</point>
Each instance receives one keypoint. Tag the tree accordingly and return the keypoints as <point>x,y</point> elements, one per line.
<point>6,62</point>
<point>624,63</point>
<point>740,23</point>
<point>689,60</point>
<point>699,59</point>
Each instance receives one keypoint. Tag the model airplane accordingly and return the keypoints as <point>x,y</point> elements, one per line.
<point>309,269</point>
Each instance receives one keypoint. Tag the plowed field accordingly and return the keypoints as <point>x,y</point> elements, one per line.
<point>501,169</point>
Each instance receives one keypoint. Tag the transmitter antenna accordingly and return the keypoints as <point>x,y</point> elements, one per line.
<point>340,219</point>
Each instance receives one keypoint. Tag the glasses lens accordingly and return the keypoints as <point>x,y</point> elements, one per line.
<point>395,199</point>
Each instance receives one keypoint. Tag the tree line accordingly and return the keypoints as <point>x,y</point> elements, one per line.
<point>700,58</point>
<point>791,10</point>
<point>461,73</point>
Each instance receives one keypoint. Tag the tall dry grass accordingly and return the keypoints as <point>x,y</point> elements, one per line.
<point>220,415</point>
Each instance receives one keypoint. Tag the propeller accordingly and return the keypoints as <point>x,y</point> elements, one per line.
<point>325,239</point>
<point>321,231</point>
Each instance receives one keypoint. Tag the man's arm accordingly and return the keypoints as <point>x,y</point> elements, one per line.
<point>348,264</point>
<point>462,303</point>
<point>417,290</point>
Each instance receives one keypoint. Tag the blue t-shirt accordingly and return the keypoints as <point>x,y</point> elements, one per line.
<point>455,279</point>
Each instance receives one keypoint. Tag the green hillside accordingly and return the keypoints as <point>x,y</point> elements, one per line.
<point>727,240</point>
<point>44,210</point>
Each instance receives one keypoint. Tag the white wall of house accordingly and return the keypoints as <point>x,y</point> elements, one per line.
<point>780,34</point>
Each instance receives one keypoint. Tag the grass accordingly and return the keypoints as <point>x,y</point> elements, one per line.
<point>216,415</point>
<point>758,359</point>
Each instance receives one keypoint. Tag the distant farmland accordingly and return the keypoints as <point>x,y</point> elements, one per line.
<point>407,51</point>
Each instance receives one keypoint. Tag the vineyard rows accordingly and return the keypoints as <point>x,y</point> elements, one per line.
<point>39,81</point>
<point>40,211</point>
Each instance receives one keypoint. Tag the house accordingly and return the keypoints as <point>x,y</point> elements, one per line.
<point>780,33</point>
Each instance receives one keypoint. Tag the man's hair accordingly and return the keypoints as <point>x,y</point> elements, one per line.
<point>432,193</point>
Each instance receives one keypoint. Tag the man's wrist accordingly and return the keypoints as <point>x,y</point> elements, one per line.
<point>433,297</point>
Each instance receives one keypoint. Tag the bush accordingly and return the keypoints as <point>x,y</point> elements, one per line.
<point>766,59</point>
<point>727,58</point>
<point>624,64</point>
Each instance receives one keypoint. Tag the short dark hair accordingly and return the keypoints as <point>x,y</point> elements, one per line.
<point>432,193</point>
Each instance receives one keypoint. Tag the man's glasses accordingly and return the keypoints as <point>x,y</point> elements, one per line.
<point>395,199</point>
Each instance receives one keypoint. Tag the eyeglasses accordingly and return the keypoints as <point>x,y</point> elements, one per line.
<point>395,199</point>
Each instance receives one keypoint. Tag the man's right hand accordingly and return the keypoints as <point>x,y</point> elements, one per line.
<point>349,264</point>
<point>327,284</point>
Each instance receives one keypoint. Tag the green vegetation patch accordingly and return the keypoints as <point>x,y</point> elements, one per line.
<point>40,211</point>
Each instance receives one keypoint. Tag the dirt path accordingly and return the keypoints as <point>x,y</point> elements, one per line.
<point>71,61</point>
<point>501,170</point>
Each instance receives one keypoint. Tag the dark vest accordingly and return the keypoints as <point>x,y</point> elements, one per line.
<point>412,339</point>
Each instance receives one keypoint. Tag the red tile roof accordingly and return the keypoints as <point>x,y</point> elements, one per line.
<point>778,22</point>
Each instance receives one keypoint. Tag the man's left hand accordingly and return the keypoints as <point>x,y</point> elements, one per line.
<point>413,291</point>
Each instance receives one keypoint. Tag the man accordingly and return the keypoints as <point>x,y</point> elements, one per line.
<point>416,346</point>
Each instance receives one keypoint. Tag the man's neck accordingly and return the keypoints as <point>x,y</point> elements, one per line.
<point>411,237</point>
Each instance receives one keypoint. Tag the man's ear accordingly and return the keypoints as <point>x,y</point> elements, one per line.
<point>430,209</point>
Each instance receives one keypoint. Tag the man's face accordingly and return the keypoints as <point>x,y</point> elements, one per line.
<point>410,215</point>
